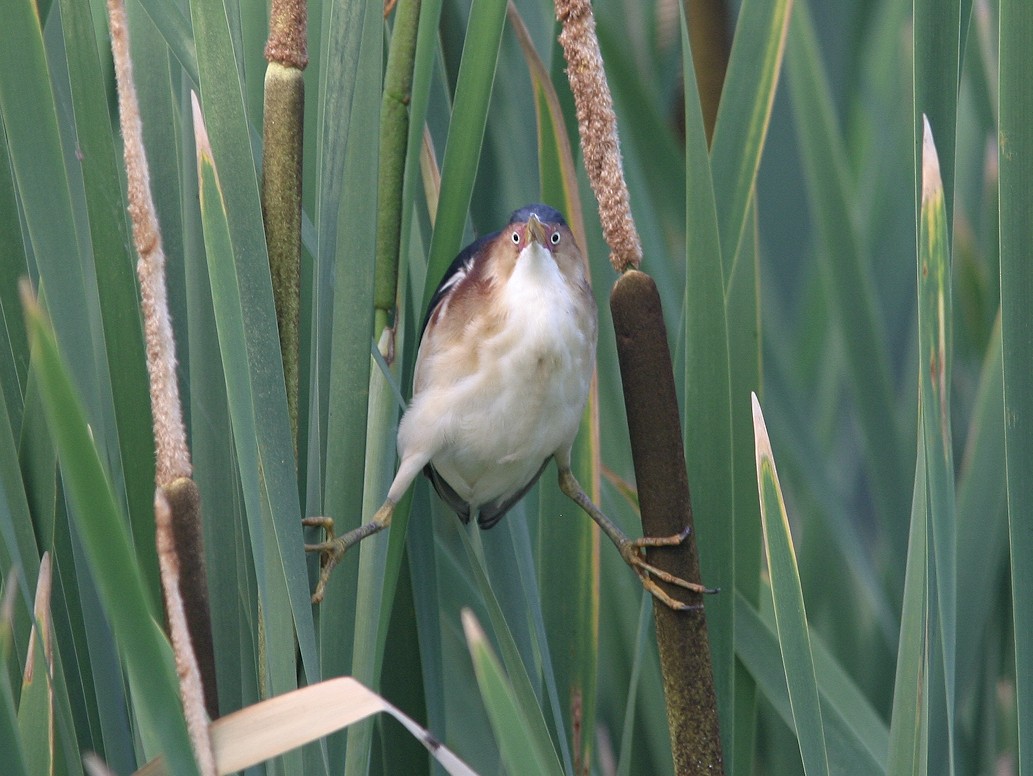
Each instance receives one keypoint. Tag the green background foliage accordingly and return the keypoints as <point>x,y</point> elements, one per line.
<point>795,257</point>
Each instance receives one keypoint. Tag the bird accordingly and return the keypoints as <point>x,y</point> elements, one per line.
<point>502,377</point>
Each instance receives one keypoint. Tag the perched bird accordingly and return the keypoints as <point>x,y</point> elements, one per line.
<point>502,377</point>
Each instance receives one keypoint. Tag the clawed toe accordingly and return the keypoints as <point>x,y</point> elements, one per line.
<point>663,541</point>
<point>633,553</point>
<point>332,548</point>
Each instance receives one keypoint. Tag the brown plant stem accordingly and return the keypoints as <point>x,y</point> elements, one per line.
<point>663,488</point>
<point>652,407</point>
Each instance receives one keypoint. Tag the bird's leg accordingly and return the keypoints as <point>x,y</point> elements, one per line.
<point>332,548</point>
<point>633,550</point>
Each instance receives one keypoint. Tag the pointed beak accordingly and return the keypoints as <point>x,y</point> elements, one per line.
<point>535,230</point>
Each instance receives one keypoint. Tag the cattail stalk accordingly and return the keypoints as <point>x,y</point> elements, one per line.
<point>173,467</point>
<point>652,406</point>
<point>286,51</point>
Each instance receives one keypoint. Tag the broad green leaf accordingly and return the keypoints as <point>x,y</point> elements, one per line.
<point>258,413</point>
<point>790,616</point>
<point>1015,157</point>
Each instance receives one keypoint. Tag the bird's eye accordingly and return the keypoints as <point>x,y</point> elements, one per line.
<point>555,238</point>
<point>516,238</point>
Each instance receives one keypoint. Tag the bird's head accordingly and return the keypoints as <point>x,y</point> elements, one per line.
<point>538,231</point>
<point>470,297</point>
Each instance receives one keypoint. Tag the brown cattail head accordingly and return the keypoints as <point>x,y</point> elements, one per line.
<point>173,456</point>
<point>597,125</point>
<point>288,31</point>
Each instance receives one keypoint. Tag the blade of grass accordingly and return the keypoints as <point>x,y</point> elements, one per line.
<point>790,616</point>
<point>515,666</point>
<point>10,739</point>
<point>909,722</point>
<point>14,363</point>
<point>742,320</point>
<point>231,571</point>
<point>250,353</point>
<point>847,278</point>
<point>465,135</point>
<point>375,595</point>
<point>116,284</point>
<point>268,469</point>
<point>982,517</point>
<point>19,551</point>
<point>707,419</point>
<point>522,750</point>
<point>1015,157</point>
<point>743,115</point>
<point>343,327</point>
<point>174,26</point>
<point>145,651</point>
<point>34,141</point>
<point>856,735</point>
<point>628,727</point>
<point>937,27</point>
<point>935,342</point>
<point>36,702</point>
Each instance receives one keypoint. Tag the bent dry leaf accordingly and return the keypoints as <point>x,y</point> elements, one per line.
<point>273,727</point>
<point>787,597</point>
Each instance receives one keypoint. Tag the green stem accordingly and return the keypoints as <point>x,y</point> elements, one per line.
<point>394,135</point>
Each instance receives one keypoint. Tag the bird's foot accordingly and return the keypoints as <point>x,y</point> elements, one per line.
<point>332,548</point>
<point>634,553</point>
